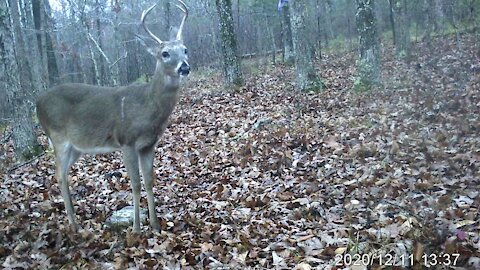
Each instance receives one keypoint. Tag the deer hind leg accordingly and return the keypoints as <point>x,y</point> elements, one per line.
<point>66,155</point>
<point>130,159</point>
<point>146,165</point>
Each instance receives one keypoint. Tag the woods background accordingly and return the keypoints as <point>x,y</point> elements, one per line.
<point>45,43</point>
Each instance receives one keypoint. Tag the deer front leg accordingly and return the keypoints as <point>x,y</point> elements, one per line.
<point>146,166</point>
<point>65,157</point>
<point>130,158</point>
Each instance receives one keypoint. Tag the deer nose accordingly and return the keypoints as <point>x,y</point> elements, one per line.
<point>184,69</point>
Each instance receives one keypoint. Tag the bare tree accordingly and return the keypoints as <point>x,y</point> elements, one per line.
<point>307,80</point>
<point>23,84</point>
<point>288,52</point>
<point>231,63</point>
<point>402,27</point>
<point>368,67</point>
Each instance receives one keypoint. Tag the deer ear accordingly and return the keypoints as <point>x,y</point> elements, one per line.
<point>148,43</point>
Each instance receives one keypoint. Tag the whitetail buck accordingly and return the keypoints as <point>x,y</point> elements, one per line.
<point>81,118</point>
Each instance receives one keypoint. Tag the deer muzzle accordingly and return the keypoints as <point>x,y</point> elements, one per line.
<point>184,69</point>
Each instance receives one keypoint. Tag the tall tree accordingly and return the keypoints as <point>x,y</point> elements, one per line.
<point>307,79</point>
<point>50,40</point>
<point>368,67</point>
<point>391,4</point>
<point>327,10</point>
<point>288,53</point>
<point>9,81</point>
<point>402,28</point>
<point>17,79</point>
<point>167,15</point>
<point>231,63</point>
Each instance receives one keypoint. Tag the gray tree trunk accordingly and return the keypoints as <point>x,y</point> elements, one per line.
<point>168,23</point>
<point>307,79</point>
<point>391,4</point>
<point>429,11</point>
<point>402,34</point>
<point>38,71</point>
<point>368,66</point>
<point>16,79</point>
<point>288,52</point>
<point>38,20</point>
<point>328,19</point>
<point>440,20</point>
<point>231,63</point>
<point>50,39</point>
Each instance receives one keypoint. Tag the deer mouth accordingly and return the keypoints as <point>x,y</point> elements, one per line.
<point>184,69</point>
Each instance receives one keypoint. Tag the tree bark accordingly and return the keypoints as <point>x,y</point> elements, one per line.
<point>428,10</point>
<point>368,66</point>
<point>52,64</point>
<point>402,35</point>
<point>288,52</point>
<point>327,21</point>
<point>36,70</point>
<point>38,18</point>
<point>307,79</point>
<point>392,20</point>
<point>231,63</point>
<point>16,79</point>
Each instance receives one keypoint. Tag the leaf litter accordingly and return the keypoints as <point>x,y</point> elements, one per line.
<point>264,177</point>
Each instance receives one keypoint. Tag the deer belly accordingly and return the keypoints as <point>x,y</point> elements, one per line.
<point>92,147</point>
<point>95,149</point>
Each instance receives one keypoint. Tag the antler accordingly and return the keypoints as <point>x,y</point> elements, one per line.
<point>144,15</point>
<point>183,8</point>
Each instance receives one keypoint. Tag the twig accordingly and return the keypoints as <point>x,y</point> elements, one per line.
<point>25,162</point>
<point>7,137</point>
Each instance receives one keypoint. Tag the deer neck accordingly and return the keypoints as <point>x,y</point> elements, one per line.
<point>163,93</point>
<point>163,83</point>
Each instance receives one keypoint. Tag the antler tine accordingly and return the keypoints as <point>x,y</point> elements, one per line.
<point>144,15</point>
<point>183,8</point>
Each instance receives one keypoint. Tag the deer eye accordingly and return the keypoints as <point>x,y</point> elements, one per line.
<point>165,54</point>
<point>185,51</point>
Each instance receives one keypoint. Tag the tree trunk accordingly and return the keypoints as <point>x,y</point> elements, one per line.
<point>231,63</point>
<point>307,80</point>
<point>319,30</point>
<point>32,57</point>
<point>327,7</point>
<point>392,21</point>
<point>52,65</point>
<point>15,78</point>
<point>368,67</point>
<point>274,45</point>
<point>38,20</point>
<point>402,35</point>
<point>105,79</point>
<point>168,23</point>
<point>288,53</point>
<point>439,16</point>
<point>428,10</point>
<point>472,15</point>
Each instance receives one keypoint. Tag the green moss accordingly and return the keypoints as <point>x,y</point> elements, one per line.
<point>402,54</point>
<point>315,86</point>
<point>31,152</point>
<point>143,79</point>
<point>338,43</point>
<point>366,78</point>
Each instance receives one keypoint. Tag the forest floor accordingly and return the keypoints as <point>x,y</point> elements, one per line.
<point>268,178</point>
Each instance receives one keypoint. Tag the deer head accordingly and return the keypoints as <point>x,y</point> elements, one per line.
<point>171,55</point>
